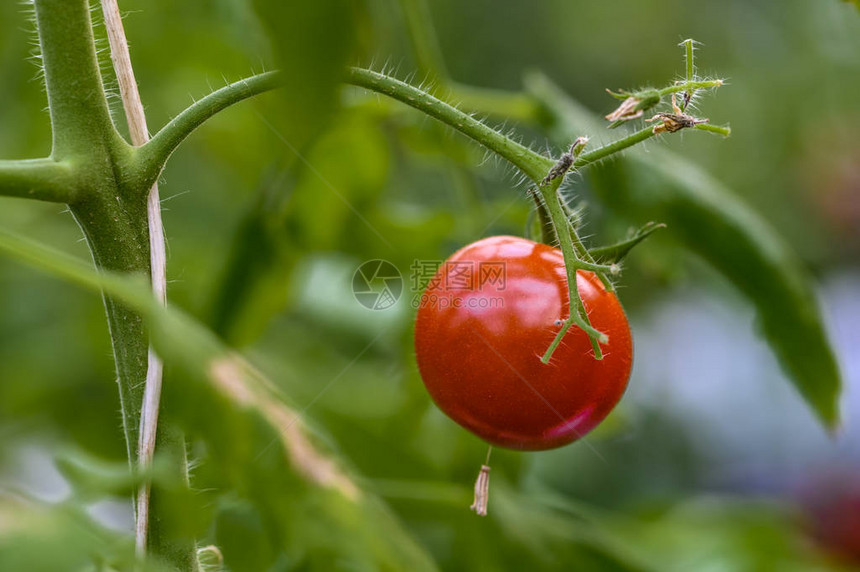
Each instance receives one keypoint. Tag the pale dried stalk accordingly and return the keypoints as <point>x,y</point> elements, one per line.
<point>482,484</point>
<point>482,491</point>
<point>158,259</point>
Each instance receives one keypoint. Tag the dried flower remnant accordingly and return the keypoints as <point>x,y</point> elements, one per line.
<point>672,122</point>
<point>675,121</point>
<point>482,491</point>
<point>634,105</point>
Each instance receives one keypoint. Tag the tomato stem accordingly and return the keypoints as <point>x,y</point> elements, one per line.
<point>545,172</point>
<point>42,179</point>
<point>691,85</point>
<point>547,231</point>
<point>489,452</point>
<point>533,164</point>
<point>689,48</point>
<point>565,234</point>
<point>725,131</point>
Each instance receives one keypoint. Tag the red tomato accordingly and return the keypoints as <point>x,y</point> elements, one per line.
<point>832,506</point>
<point>483,324</point>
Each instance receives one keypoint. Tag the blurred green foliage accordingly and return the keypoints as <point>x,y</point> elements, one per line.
<point>271,206</point>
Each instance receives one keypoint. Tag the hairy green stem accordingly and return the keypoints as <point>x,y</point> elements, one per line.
<point>117,236</point>
<point>85,140</point>
<point>689,59</point>
<point>93,169</point>
<point>576,311</point>
<point>534,165</point>
<point>40,179</point>
<point>610,149</point>
<point>79,111</point>
<point>150,158</point>
<point>690,85</point>
<point>725,131</point>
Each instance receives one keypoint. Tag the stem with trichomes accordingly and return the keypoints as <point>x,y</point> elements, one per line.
<point>140,167</point>
<point>151,157</point>
<point>136,119</point>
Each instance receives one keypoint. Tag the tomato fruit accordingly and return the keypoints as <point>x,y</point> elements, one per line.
<point>483,323</point>
<point>831,503</point>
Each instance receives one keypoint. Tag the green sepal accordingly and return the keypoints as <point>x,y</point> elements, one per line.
<point>613,253</point>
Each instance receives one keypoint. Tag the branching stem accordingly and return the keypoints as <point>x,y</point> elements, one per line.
<point>691,85</point>
<point>40,179</point>
<point>534,165</point>
<point>148,160</point>
<point>80,119</point>
<point>572,263</point>
<point>151,157</point>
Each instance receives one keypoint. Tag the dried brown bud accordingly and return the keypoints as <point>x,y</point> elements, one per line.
<point>565,162</point>
<point>626,111</point>
<point>671,122</point>
<point>635,105</point>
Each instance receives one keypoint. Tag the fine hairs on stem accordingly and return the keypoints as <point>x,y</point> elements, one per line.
<point>158,260</point>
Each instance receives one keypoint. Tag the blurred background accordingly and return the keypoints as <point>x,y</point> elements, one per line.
<point>711,462</point>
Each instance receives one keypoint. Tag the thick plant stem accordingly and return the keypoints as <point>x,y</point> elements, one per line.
<point>117,236</point>
<point>79,112</point>
<point>148,425</point>
<point>85,141</point>
<point>106,201</point>
<point>152,386</point>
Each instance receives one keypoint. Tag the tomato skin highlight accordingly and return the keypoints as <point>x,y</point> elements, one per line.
<point>478,348</point>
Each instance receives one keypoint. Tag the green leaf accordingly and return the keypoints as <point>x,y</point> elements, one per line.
<point>39,537</point>
<point>711,221</point>
<point>522,531</point>
<point>92,477</point>
<point>723,533</point>
<point>547,531</point>
<point>249,423</point>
